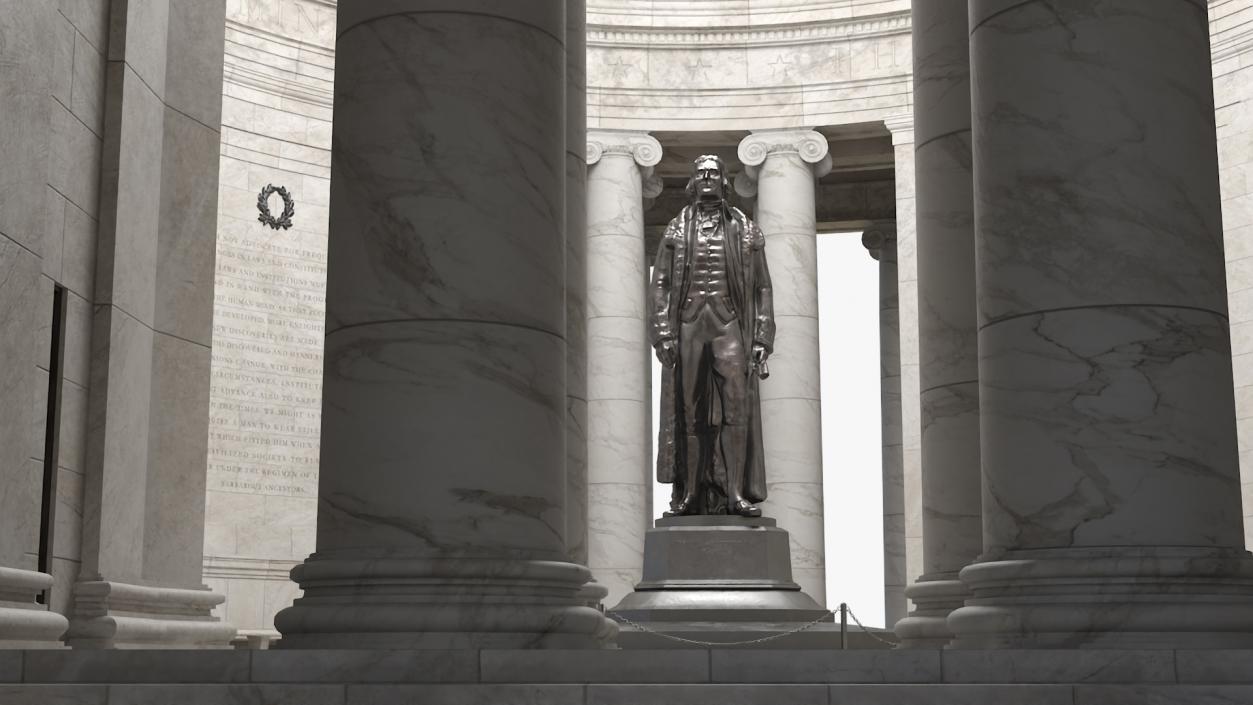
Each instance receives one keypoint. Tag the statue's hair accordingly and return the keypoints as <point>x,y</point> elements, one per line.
<point>722,167</point>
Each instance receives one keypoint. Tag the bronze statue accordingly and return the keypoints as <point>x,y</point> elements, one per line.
<point>712,326</point>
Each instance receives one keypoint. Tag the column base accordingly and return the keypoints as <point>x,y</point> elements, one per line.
<point>454,603</point>
<point>113,615</point>
<point>935,596</point>
<point>24,623</point>
<point>1115,598</point>
<point>593,595</point>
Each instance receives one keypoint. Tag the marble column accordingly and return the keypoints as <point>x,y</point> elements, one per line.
<point>619,385</point>
<point>1111,505</point>
<point>880,240</point>
<point>576,292</point>
<point>781,168</point>
<point>947,336</point>
<point>442,481</point>
<point>25,134</point>
<point>902,129</point>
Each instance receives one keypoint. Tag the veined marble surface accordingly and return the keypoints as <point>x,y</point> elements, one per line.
<point>1107,414</point>
<point>783,166</point>
<point>619,383</point>
<point>1233,93</point>
<point>947,335</point>
<point>444,403</point>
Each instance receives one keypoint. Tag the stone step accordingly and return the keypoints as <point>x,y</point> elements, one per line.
<point>621,694</point>
<point>717,666</point>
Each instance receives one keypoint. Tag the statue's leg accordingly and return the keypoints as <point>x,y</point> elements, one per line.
<point>731,366</point>
<point>691,361</point>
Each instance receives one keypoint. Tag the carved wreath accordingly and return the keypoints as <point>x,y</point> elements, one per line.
<point>263,205</point>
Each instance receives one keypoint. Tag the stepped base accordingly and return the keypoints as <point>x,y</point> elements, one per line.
<point>113,615</point>
<point>24,623</point>
<point>422,603</point>
<point>723,580</point>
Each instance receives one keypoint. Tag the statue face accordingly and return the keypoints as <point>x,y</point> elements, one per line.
<point>708,180</point>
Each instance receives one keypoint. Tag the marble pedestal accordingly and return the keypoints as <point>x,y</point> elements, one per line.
<point>720,579</point>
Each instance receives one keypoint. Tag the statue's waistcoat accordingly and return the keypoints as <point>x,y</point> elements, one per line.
<point>708,284</point>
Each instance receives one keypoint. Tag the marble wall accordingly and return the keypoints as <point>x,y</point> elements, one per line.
<point>51,134</point>
<point>1231,44</point>
<point>746,64</point>
<point>110,131</point>
<point>269,310</point>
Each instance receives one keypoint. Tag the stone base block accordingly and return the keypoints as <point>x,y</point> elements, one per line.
<point>1108,598</point>
<point>113,615</point>
<point>724,580</point>
<point>415,603</point>
<point>24,623</point>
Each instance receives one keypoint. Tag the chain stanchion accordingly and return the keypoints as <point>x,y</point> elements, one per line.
<point>843,625</point>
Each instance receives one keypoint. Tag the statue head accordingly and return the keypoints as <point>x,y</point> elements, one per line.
<point>709,180</point>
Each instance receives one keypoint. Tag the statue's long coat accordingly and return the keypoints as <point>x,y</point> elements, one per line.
<point>749,281</point>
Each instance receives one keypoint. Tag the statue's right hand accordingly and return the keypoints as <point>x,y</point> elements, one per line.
<point>667,353</point>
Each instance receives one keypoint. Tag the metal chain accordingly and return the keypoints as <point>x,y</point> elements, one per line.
<point>683,640</point>
<point>866,631</point>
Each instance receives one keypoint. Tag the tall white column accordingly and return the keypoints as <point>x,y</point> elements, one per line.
<point>576,283</point>
<point>947,336</point>
<point>880,240</point>
<point>782,166</point>
<point>442,484</point>
<point>902,130</point>
<point>619,387</point>
<point>1111,500</point>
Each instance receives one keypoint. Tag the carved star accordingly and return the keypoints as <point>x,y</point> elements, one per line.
<point>701,67</point>
<point>619,67</point>
<point>781,64</point>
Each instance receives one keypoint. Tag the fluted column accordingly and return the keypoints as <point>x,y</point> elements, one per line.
<point>781,166</point>
<point>1111,510</point>
<point>619,396</point>
<point>880,240</point>
<point>947,336</point>
<point>442,484</point>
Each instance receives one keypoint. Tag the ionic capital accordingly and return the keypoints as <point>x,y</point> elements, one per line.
<point>640,146</point>
<point>880,240</point>
<point>809,145</point>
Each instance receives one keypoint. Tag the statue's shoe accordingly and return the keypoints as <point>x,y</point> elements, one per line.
<point>745,509</point>
<point>683,508</point>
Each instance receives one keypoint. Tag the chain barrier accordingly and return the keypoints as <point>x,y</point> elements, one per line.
<point>867,632</point>
<point>760,640</point>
